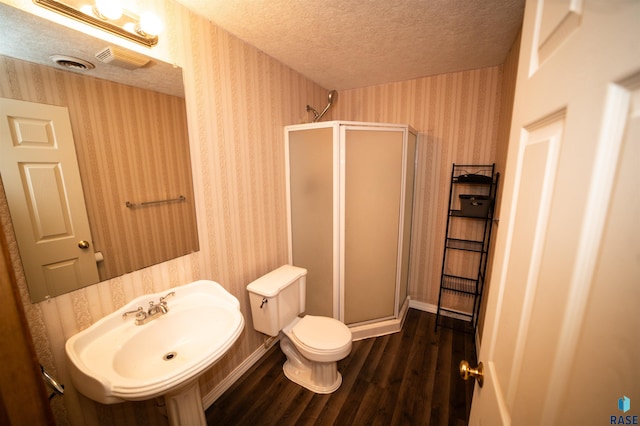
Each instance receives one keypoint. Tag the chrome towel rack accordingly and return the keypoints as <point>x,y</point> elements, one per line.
<point>131,205</point>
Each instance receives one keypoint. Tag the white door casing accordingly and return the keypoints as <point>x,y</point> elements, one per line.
<point>560,343</point>
<point>42,183</point>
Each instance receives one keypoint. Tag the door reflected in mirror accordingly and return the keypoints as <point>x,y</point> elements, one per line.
<point>131,145</point>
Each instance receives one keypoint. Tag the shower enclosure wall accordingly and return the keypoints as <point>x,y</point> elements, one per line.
<point>350,202</point>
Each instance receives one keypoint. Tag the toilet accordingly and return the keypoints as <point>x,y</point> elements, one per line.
<point>313,344</point>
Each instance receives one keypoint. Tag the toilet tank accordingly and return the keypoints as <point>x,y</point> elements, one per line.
<point>277,298</point>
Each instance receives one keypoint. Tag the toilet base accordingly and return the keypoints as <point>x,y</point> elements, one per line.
<point>319,377</point>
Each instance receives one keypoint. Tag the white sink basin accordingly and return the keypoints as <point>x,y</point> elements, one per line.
<point>115,360</point>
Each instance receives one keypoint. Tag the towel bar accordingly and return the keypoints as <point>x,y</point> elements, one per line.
<point>131,205</point>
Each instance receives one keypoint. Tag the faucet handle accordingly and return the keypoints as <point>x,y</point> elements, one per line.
<point>140,314</point>
<point>163,298</point>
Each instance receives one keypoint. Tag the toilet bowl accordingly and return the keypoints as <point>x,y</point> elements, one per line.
<point>312,344</point>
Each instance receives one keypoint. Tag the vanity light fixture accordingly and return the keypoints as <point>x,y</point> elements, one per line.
<point>109,15</point>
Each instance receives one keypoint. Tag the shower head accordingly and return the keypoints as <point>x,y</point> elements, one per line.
<point>333,96</point>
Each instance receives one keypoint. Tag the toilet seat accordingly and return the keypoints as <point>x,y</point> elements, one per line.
<point>320,339</point>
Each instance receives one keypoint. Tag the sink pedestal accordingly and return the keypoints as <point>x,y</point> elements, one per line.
<point>184,406</point>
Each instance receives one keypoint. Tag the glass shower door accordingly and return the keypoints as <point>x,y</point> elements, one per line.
<point>372,192</point>
<point>313,214</point>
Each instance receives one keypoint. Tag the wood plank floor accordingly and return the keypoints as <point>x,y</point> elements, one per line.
<point>406,378</point>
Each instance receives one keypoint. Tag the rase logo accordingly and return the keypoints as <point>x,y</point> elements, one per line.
<point>624,405</point>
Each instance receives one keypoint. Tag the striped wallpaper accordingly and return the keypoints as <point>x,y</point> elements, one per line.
<point>238,101</point>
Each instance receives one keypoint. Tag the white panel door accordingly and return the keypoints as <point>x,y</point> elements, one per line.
<point>42,182</point>
<point>560,343</point>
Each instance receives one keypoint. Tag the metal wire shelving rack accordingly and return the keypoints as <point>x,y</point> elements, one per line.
<point>472,195</point>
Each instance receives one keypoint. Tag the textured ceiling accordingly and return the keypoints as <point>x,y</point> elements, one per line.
<point>345,44</point>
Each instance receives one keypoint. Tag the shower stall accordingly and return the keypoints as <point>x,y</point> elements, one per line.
<point>350,202</point>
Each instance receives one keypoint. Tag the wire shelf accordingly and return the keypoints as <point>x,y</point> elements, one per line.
<point>465,245</point>
<point>459,284</point>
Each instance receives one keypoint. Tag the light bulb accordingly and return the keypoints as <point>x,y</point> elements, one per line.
<point>109,9</point>
<point>131,27</point>
<point>87,9</point>
<point>150,24</point>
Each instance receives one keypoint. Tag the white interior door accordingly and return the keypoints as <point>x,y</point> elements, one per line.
<point>44,192</point>
<point>560,343</point>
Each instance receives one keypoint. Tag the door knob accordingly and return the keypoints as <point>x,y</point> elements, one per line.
<point>83,244</point>
<point>466,371</point>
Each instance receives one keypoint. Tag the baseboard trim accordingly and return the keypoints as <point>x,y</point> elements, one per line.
<point>227,382</point>
<point>423,306</point>
<point>428,307</point>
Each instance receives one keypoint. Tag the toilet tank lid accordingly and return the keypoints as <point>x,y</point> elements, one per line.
<point>271,284</point>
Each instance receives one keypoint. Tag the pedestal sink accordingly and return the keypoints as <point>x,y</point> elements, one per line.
<point>116,360</point>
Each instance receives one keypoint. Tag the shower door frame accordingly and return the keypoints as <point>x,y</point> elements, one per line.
<point>343,165</point>
<point>339,130</point>
<point>335,142</point>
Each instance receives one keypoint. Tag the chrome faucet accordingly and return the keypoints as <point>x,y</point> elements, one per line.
<point>154,311</point>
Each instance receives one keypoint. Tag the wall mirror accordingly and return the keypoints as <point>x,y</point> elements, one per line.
<point>128,120</point>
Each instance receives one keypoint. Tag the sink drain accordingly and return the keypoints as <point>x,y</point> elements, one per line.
<point>169,356</point>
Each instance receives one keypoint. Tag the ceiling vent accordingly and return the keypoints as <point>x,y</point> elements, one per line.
<point>122,58</point>
<point>69,62</point>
